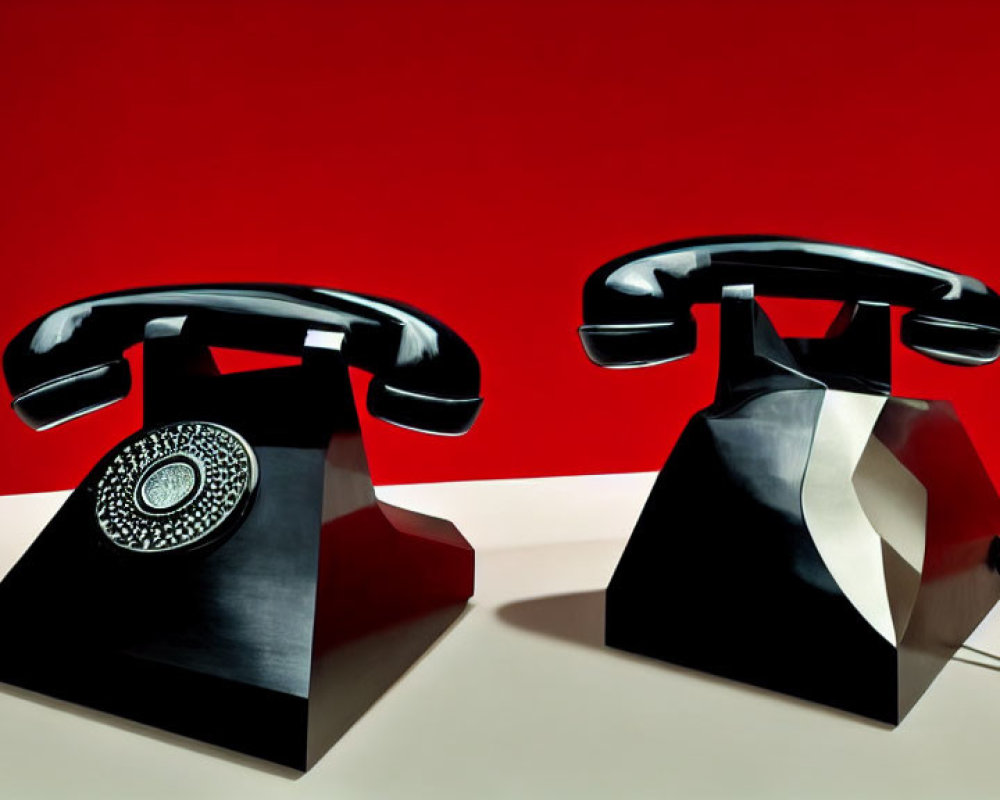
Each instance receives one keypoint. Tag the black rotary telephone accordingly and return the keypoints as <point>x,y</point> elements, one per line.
<point>227,572</point>
<point>809,532</point>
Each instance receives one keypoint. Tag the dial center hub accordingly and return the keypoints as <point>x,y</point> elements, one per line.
<point>168,486</point>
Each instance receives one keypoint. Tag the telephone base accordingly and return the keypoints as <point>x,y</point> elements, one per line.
<point>285,729</point>
<point>228,572</point>
<point>736,566</point>
<point>273,645</point>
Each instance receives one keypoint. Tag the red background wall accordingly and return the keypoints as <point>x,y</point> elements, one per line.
<point>479,160</point>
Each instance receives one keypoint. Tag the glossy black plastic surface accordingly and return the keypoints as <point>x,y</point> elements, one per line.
<point>637,308</point>
<point>69,362</point>
<point>277,637</point>
<point>809,533</point>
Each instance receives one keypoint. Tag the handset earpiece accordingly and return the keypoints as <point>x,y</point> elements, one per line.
<point>425,377</point>
<point>429,413</point>
<point>73,395</point>
<point>950,338</point>
<point>639,344</point>
<point>636,313</point>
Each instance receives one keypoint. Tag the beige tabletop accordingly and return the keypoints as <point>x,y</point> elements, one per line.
<point>521,700</point>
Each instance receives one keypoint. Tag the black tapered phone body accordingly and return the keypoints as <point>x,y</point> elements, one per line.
<point>810,532</point>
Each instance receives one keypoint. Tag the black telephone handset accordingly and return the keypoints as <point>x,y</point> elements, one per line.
<point>70,361</point>
<point>228,572</point>
<point>637,308</point>
<point>809,532</point>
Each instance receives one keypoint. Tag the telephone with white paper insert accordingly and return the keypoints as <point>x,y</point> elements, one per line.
<point>227,572</point>
<point>810,532</point>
